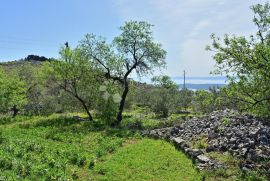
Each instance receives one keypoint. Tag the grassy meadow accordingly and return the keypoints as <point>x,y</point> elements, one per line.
<point>59,147</point>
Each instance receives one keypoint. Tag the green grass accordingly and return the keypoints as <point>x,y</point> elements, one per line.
<point>147,160</point>
<point>232,172</point>
<point>61,148</point>
<point>58,147</point>
<point>146,119</point>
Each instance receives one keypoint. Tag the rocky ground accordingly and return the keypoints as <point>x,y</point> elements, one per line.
<point>247,138</point>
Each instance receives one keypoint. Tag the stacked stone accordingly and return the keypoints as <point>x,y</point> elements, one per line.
<point>244,136</point>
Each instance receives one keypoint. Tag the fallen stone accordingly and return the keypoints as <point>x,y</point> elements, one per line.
<point>203,159</point>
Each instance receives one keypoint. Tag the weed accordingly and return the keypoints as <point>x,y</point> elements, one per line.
<point>226,121</point>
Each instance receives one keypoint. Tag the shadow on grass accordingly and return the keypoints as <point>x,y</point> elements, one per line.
<point>131,125</point>
<point>63,124</point>
<point>6,120</point>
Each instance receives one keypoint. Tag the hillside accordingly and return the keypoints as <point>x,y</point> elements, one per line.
<point>33,59</point>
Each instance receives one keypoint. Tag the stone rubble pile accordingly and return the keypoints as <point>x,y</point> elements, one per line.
<point>244,136</point>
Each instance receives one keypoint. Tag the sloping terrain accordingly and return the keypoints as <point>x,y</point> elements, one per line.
<point>63,148</point>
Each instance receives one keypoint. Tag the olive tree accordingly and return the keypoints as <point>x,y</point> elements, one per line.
<point>74,74</point>
<point>133,51</point>
<point>164,97</point>
<point>246,62</point>
<point>12,92</point>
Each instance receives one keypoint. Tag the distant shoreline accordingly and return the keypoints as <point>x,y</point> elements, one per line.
<point>219,80</point>
<point>201,86</point>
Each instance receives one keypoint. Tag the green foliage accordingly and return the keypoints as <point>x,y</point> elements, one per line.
<point>134,50</point>
<point>51,148</point>
<point>232,172</point>
<point>245,61</point>
<point>35,90</point>
<point>164,82</point>
<point>163,98</point>
<point>12,91</point>
<point>185,98</point>
<point>161,102</point>
<point>252,176</point>
<point>108,102</point>
<point>75,75</point>
<point>137,48</point>
<point>72,83</point>
<point>61,148</point>
<point>226,121</point>
<point>201,143</point>
<point>203,101</point>
<point>214,99</point>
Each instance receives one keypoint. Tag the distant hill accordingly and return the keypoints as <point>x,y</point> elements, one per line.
<point>33,59</point>
<point>201,86</point>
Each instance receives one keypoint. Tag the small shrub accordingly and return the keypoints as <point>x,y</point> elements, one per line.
<point>201,143</point>
<point>74,159</point>
<point>6,163</point>
<point>226,121</point>
<point>92,163</point>
<point>2,139</point>
<point>75,175</point>
<point>82,161</point>
<point>252,176</point>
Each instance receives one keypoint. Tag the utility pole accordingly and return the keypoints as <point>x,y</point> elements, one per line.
<point>66,49</point>
<point>66,44</point>
<point>184,80</point>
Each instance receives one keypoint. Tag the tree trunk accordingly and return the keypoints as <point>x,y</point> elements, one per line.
<point>88,112</point>
<point>15,111</point>
<point>122,103</point>
<point>85,108</point>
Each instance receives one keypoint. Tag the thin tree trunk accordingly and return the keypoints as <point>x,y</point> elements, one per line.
<point>85,108</point>
<point>122,103</point>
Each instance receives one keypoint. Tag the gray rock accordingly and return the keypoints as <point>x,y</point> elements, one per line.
<point>245,136</point>
<point>174,131</point>
<point>203,158</point>
<point>251,155</point>
<point>194,152</point>
<point>263,140</point>
<point>178,140</point>
<point>210,148</point>
<point>244,152</point>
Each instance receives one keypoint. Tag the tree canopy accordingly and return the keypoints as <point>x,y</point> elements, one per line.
<point>246,62</point>
<point>74,74</point>
<point>134,50</point>
<point>12,92</point>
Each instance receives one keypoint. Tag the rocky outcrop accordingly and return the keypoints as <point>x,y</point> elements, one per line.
<point>243,136</point>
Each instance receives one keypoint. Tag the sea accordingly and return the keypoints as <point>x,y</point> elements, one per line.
<point>200,83</point>
<point>193,83</point>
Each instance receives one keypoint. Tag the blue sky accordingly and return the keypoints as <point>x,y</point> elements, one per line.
<point>182,26</point>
